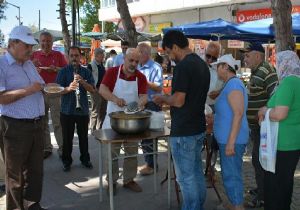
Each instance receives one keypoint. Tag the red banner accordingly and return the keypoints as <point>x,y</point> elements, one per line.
<point>257,14</point>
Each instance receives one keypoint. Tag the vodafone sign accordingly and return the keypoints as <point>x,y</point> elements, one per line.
<point>257,14</point>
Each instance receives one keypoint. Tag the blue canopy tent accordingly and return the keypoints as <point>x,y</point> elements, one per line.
<point>210,30</point>
<point>215,30</point>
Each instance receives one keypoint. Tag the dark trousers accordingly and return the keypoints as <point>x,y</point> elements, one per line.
<point>22,146</point>
<point>147,144</point>
<point>68,123</point>
<point>259,172</point>
<point>279,186</point>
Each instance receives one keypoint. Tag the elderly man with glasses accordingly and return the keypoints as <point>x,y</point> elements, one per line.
<point>21,127</point>
<point>211,55</point>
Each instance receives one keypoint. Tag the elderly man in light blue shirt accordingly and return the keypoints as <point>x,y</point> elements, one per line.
<point>153,72</point>
<point>21,129</point>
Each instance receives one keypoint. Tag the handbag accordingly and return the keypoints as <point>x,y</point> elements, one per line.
<point>268,143</point>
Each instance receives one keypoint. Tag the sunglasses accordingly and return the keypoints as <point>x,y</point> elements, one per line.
<point>213,58</point>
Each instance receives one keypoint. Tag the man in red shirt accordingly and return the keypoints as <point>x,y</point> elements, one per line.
<point>120,86</point>
<point>48,63</point>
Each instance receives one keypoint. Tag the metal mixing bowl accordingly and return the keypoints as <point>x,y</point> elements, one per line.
<point>130,123</point>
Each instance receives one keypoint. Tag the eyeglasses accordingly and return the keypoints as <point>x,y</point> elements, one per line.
<point>213,58</point>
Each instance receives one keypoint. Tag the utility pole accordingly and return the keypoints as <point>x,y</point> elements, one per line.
<point>74,40</point>
<point>39,20</point>
<point>78,22</point>
<point>19,16</point>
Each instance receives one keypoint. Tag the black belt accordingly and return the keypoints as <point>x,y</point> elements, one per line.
<point>33,120</point>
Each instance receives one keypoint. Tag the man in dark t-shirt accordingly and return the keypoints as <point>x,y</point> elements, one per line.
<point>190,85</point>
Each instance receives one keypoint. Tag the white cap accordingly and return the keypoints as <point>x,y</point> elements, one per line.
<point>226,59</point>
<point>22,33</point>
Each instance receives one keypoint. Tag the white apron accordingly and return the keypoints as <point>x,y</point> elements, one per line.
<point>128,90</point>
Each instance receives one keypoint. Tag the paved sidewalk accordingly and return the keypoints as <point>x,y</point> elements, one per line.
<point>78,189</point>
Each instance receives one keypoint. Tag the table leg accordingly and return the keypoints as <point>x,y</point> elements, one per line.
<point>100,173</point>
<point>110,181</point>
<point>169,173</point>
<point>155,164</point>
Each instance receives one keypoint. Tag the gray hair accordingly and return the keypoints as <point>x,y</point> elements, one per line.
<point>130,50</point>
<point>46,33</point>
<point>99,51</point>
<point>144,49</point>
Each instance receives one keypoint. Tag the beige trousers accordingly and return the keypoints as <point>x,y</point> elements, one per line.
<point>52,104</point>
<point>129,165</point>
<point>98,111</point>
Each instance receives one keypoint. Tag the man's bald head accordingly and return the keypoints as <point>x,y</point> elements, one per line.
<point>212,52</point>
<point>131,59</point>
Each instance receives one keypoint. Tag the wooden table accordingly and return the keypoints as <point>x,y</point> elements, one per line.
<point>109,136</point>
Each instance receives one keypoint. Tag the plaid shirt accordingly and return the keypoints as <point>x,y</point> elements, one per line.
<point>68,101</point>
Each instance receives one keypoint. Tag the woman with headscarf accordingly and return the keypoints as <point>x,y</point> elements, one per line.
<point>231,130</point>
<point>285,109</point>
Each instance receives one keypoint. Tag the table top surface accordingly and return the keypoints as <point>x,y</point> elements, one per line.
<point>110,136</point>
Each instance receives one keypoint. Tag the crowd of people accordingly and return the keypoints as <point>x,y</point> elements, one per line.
<point>134,76</point>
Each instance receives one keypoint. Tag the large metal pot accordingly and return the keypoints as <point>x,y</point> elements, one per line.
<point>130,123</point>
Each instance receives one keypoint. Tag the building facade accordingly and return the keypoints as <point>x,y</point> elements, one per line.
<point>153,15</point>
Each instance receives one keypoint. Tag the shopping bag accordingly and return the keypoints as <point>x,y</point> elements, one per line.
<point>268,143</point>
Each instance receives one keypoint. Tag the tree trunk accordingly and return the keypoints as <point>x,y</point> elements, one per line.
<point>129,27</point>
<point>282,20</point>
<point>64,25</point>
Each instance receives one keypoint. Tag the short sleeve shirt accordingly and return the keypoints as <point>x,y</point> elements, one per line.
<point>288,94</point>
<point>153,73</point>
<point>110,79</point>
<point>68,101</point>
<point>224,115</point>
<point>191,76</point>
<point>53,58</point>
<point>15,76</point>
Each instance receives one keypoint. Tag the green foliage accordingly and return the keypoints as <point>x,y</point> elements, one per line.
<point>2,16</point>
<point>89,8</point>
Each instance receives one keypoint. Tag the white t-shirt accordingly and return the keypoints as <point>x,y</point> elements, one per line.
<point>215,84</point>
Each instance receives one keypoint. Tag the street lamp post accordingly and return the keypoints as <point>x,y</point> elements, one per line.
<point>19,17</point>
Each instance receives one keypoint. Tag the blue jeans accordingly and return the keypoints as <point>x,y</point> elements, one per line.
<point>232,175</point>
<point>147,146</point>
<point>186,152</point>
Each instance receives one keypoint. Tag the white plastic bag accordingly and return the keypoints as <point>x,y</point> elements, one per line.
<point>157,120</point>
<point>268,143</point>
<point>207,110</point>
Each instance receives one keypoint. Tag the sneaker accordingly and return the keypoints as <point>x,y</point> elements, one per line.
<point>47,154</point>
<point>87,164</point>
<point>114,189</point>
<point>255,203</point>
<point>146,170</point>
<point>133,186</point>
<point>66,167</point>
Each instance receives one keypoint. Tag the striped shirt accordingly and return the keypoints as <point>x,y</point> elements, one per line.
<point>14,76</point>
<point>262,82</point>
<point>153,73</point>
